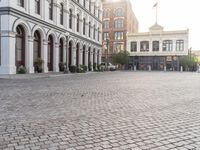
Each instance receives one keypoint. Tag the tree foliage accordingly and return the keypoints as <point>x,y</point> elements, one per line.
<point>121,58</point>
<point>188,62</point>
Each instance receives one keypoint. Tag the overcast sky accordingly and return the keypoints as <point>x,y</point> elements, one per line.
<point>172,15</point>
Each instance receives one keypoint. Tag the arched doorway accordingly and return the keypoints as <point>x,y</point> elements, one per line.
<point>20,47</point>
<point>83,56</point>
<point>98,57</point>
<point>89,61</point>
<point>61,51</point>
<point>77,54</point>
<point>94,63</point>
<point>70,53</point>
<point>36,49</point>
<point>50,53</point>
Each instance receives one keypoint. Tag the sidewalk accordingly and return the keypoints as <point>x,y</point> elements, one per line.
<point>33,76</point>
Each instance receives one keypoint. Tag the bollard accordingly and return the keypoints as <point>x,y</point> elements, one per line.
<point>135,69</point>
<point>181,68</point>
<point>165,68</point>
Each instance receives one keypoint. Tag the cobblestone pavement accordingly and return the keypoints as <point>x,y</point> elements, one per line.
<point>112,110</point>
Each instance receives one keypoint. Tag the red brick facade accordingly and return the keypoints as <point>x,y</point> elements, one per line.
<point>117,11</point>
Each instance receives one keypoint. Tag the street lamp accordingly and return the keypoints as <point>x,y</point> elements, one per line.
<point>107,47</point>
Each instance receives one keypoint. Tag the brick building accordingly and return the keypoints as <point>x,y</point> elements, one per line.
<point>118,20</point>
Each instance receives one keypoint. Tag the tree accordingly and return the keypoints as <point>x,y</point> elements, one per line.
<point>121,58</point>
<point>189,62</point>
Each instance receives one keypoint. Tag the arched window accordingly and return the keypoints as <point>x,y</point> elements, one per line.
<point>89,29</point>
<point>119,23</point>
<point>84,25</point>
<point>37,7</point>
<point>20,3</point>
<point>77,23</point>
<point>119,12</point>
<point>51,10</point>
<point>61,13</point>
<point>84,4</point>
<point>90,5</point>
<point>70,19</point>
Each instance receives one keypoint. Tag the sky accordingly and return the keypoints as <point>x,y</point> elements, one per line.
<point>172,15</point>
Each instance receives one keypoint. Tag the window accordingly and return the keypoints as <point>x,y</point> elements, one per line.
<point>105,13</point>
<point>61,13</point>
<point>118,47</point>
<point>155,46</point>
<point>98,30</point>
<point>167,45</point>
<point>94,9</point>
<point>94,32</point>
<point>119,23</point>
<point>89,29</point>
<point>84,3</point>
<point>84,24</point>
<point>70,19</point>
<point>144,46</point>
<point>106,24</point>
<point>119,35</point>
<point>51,10</point>
<point>90,5</point>
<point>98,13</point>
<point>179,45</point>
<point>20,3</point>
<point>106,36</point>
<point>77,23</point>
<point>119,12</point>
<point>37,7</point>
<point>133,46</point>
<point>78,1</point>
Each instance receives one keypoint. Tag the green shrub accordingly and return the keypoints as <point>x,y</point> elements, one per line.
<point>73,69</point>
<point>21,70</point>
<point>84,68</point>
<point>38,65</point>
<point>62,66</point>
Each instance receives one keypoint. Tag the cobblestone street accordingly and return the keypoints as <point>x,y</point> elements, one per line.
<point>94,111</point>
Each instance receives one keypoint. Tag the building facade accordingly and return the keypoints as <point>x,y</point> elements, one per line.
<point>118,20</point>
<point>57,31</point>
<point>157,49</point>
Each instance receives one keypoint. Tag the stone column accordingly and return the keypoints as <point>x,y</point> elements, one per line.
<point>73,56</point>
<point>64,52</point>
<point>138,46</point>
<point>100,56</point>
<point>44,55</point>
<point>86,58</point>
<point>29,55</point>
<point>56,58</point>
<point>160,46</point>
<point>80,56</point>
<point>91,59</point>
<point>7,53</point>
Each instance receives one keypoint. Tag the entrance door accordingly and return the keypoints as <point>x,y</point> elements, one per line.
<point>20,47</point>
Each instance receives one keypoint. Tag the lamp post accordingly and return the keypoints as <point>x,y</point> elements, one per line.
<point>107,48</point>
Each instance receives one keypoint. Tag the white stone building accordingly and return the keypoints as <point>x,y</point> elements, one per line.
<point>157,49</point>
<point>58,31</point>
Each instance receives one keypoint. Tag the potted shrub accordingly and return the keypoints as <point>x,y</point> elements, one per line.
<point>21,70</point>
<point>38,65</point>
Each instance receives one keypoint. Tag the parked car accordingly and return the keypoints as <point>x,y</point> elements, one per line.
<point>109,66</point>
